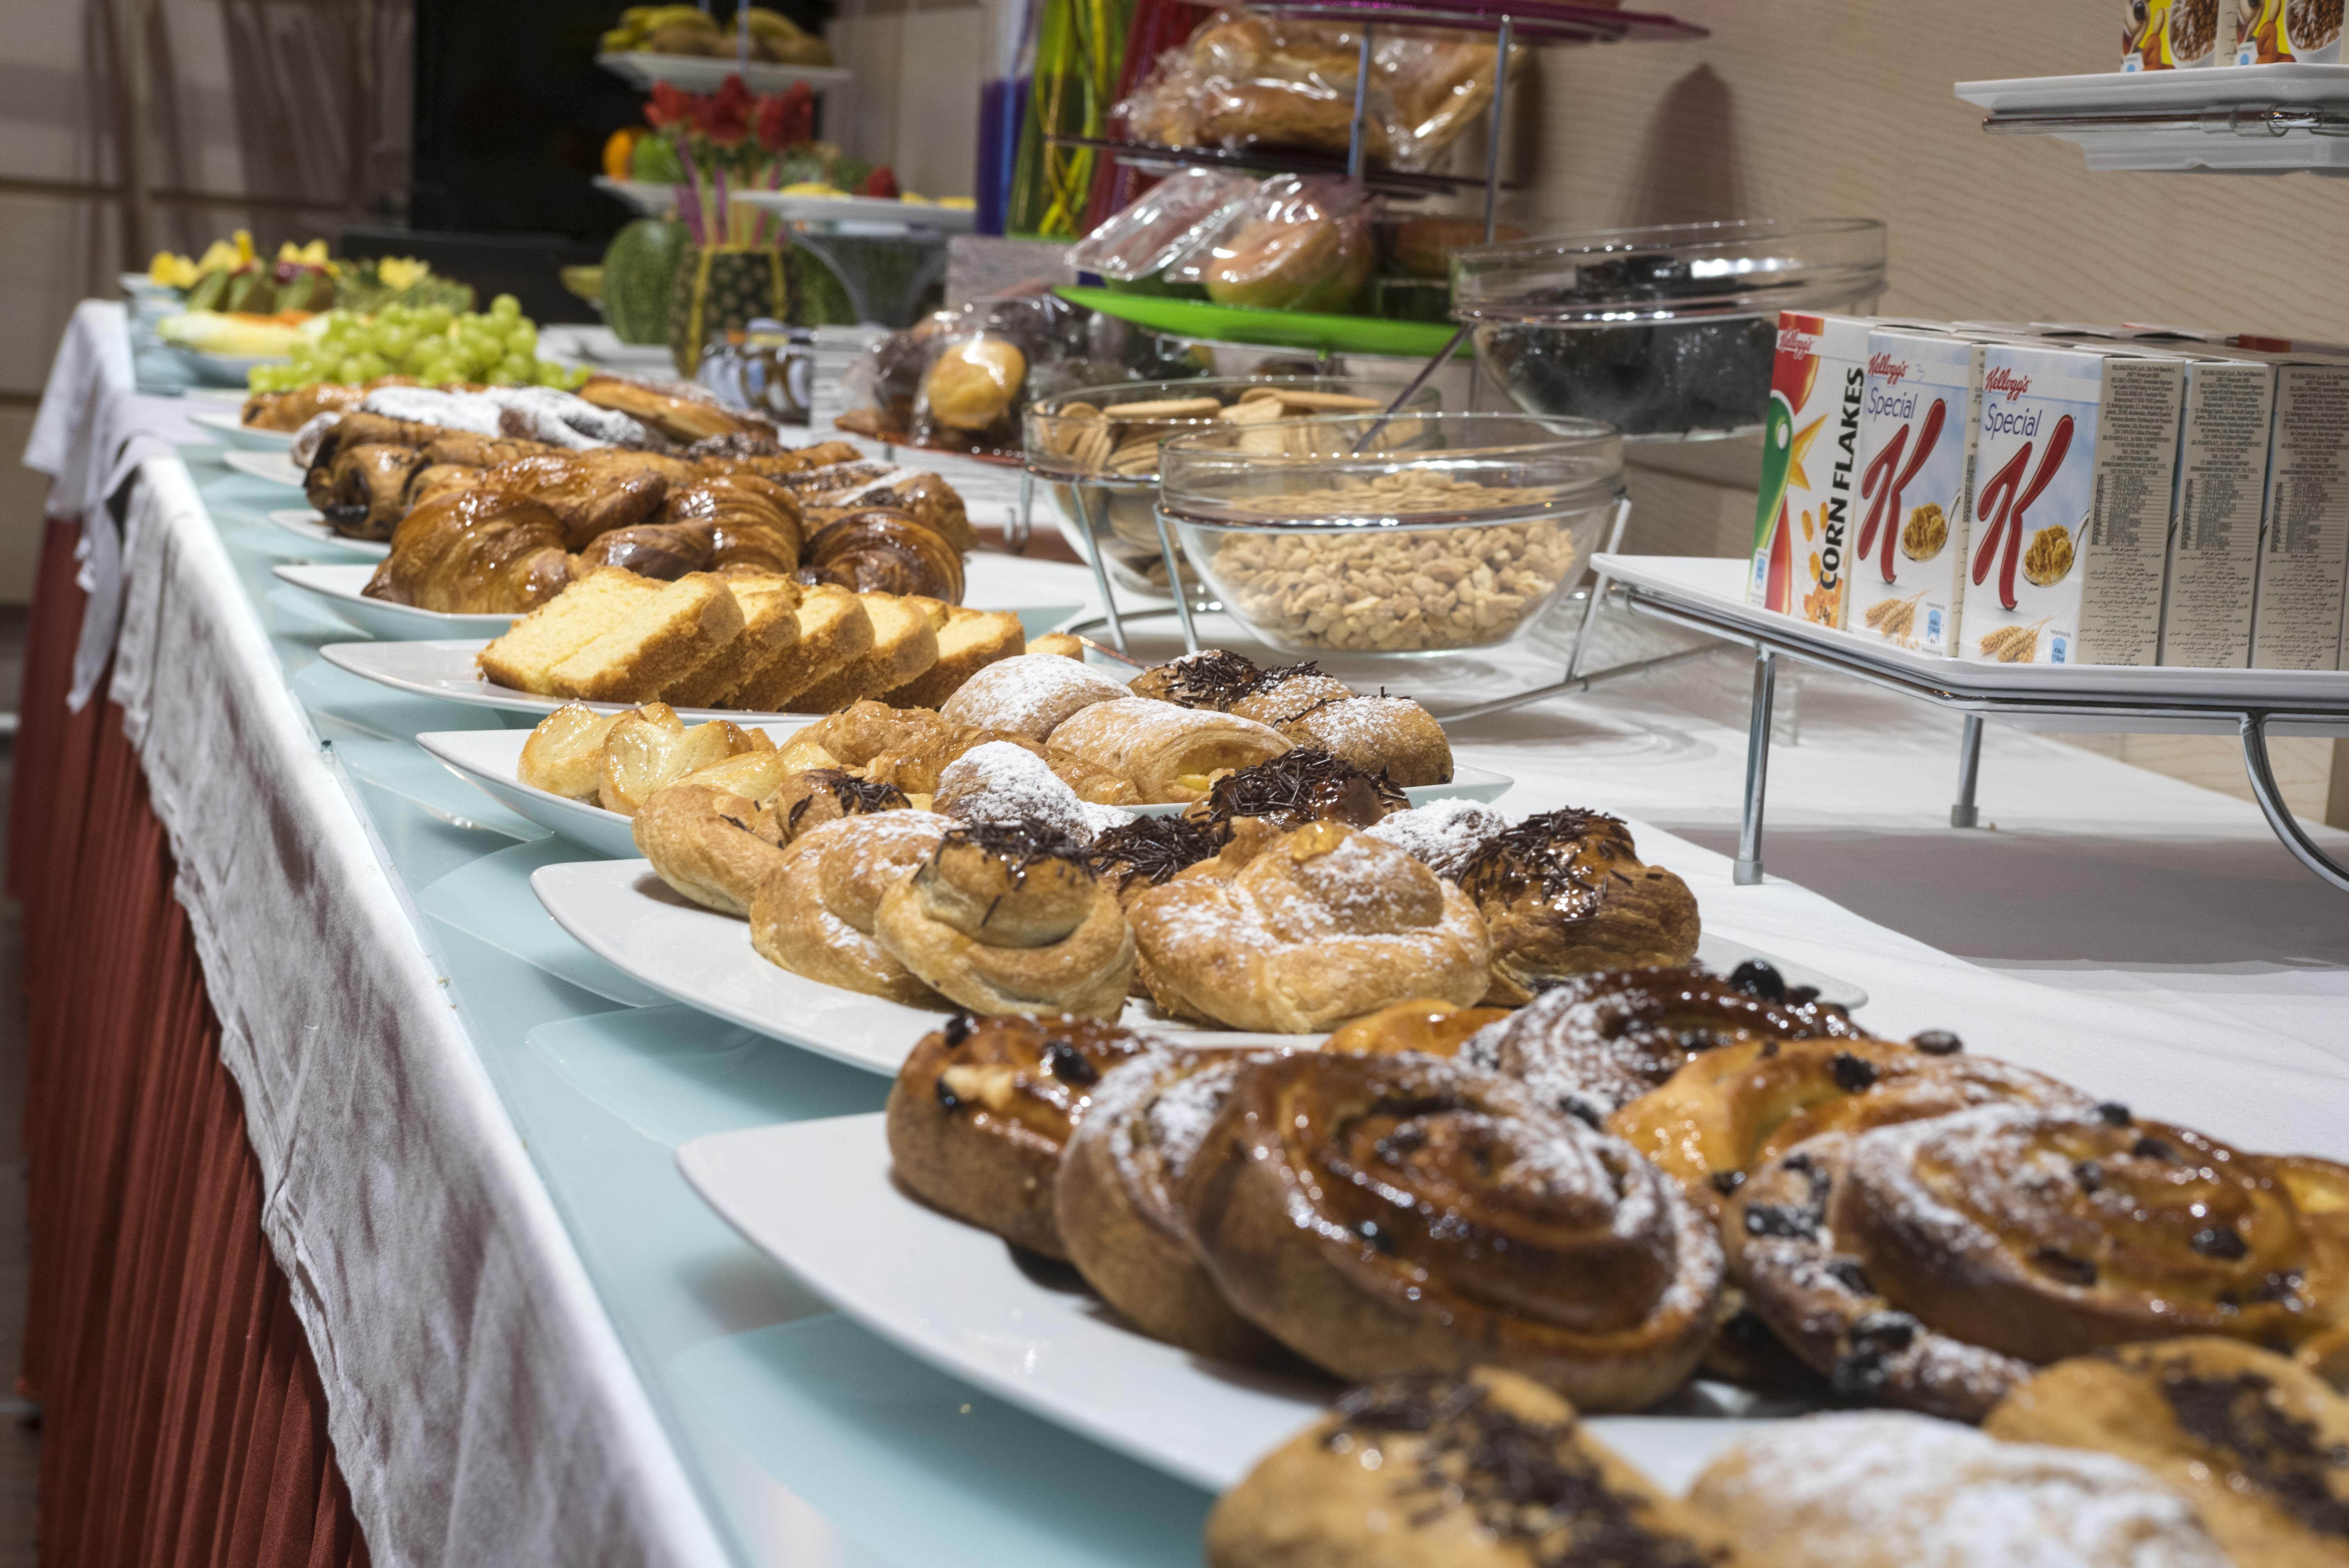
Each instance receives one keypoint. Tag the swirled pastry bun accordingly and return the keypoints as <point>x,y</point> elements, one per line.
<point>1322,925</point>
<point>709,843</point>
<point>1386,1214</point>
<point>981,1109</point>
<point>814,913</point>
<point>1030,695</point>
<point>1166,752</point>
<point>1886,1491</point>
<point>1484,1471</point>
<point>2257,1443</point>
<point>1007,918</point>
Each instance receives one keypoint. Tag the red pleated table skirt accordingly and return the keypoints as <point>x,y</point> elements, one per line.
<point>182,1419</point>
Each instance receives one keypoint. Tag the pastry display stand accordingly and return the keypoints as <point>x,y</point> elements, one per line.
<point>1708,595</point>
<point>2224,119</point>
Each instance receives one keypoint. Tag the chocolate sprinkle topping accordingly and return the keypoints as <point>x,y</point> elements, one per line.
<point>1304,784</point>
<point>1216,679</point>
<point>1021,844</point>
<point>1154,848</point>
<point>2275,1451</point>
<point>1515,1478</point>
<point>1539,853</point>
<point>855,797</point>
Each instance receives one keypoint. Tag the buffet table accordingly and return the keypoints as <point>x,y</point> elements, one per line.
<point>290,985</point>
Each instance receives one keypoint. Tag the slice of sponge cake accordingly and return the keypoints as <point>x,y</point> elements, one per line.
<point>770,626</point>
<point>905,644</point>
<point>525,657</point>
<point>972,640</point>
<point>655,645</point>
<point>834,630</point>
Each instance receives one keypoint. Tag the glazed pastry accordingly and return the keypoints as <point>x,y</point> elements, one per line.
<point>564,753</point>
<point>1422,1025</point>
<point>1598,1042</point>
<point>1733,1108</point>
<point>668,551</point>
<point>807,800</point>
<point>1212,678</point>
<point>1321,924</point>
<point>1392,735</point>
<point>590,492</point>
<point>709,843</point>
<point>363,492</point>
<point>1029,695</point>
<point>2008,1235</point>
<point>879,549</point>
<point>1306,784</point>
<point>1565,894</point>
<point>732,504</point>
<point>1481,1470</point>
<point>1443,835</point>
<point>2259,1445</point>
<point>1166,752</point>
<point>981,1109</point>
<point>650,747</point>
<point>1148,850</point>
<point>1885,1490</point>
<point>474,553</point>
<point>1006,918</point>
<point>686,414</point>
<point>1001,782</point>
<point>1384,1214</point>
<point>814,916</point>
<point>861,732</point>
<point>1114,1205</point>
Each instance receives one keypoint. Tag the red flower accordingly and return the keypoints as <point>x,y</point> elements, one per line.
<point>787,120</point>
<point>670,106</point>
<point>725,117</point>
<point>880,182</point>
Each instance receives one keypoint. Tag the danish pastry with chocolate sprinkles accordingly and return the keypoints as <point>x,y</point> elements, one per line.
<point>1566,892</point>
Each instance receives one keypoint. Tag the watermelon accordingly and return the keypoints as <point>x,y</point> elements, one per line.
<point>640,277</point>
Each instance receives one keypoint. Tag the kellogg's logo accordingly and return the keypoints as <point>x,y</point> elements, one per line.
<point>1889,368</point>
<point>2004,380</point>
<point>1795,341</point>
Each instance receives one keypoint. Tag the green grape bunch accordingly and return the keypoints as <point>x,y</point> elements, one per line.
<point>432,342</point>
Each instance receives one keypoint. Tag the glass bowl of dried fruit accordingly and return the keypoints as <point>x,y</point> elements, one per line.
<point>1097,448</point>
<point>1416,535</point>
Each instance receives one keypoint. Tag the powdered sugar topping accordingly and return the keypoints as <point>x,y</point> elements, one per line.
<point>1443,835</point>
<point>1030,695</point>
<point>1001,782</point>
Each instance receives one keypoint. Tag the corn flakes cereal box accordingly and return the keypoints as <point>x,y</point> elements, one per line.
<point>1918,418</point>
<point>2169,35</point>
<point>2287,32</point>
<point>1810,466</point>
<point>2074,464</point>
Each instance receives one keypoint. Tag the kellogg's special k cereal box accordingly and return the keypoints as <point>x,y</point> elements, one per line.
<point>1918,421</point>
<point>1810,466</point>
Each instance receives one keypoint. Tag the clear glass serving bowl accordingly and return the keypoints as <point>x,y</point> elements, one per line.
<point>1103,466</point>
<point>1419,535</point>
<point>1666,333</point>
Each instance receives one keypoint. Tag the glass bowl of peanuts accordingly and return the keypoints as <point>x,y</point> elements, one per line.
<point>1421,534</point>
<point>1097,448</point>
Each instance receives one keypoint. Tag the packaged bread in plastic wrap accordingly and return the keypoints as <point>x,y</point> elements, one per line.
<point>1243,79</point>
<point>1159,224</point>
<point>1302,243</point>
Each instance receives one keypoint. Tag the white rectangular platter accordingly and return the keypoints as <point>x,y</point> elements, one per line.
<point>955,1296</point>
<point>1718,587</point>
<point>444,668</point>
<point>302,521</point>
<point>275,467</point>
<point>622,912</point>
<point>340,589</point>
<point>487,758</point>
<point>235,432</point>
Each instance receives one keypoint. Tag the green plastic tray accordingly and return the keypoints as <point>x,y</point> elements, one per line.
<point>1286,329</point>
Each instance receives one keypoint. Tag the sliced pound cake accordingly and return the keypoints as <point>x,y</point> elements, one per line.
<point>658,643</point>
<point>525,657</point>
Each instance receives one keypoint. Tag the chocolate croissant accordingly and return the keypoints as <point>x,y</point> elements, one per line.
<point>363,491</point>
<point>1932,1264</point>
<point>1389,1215</point>
<point>877,549</point>
<point>591,493</point>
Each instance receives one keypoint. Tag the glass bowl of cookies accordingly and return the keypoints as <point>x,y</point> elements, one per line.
<point>1421,534</point>
<point>1097,450</point>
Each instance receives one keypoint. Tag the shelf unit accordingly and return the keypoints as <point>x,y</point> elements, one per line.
<point>2219,119</point>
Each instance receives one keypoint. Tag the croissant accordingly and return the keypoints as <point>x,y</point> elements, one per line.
<point>360,429</point>
<point>875,550</point>
<point>1166,752</point>
<point>434,480</point>
<point>927,497</point>
<point>1382,1214</point>
<point>478,451</point>
<point>681,417</point>
<point>814,914</point>
<point>1322,925</point>
<point>290,411</point>
<point>363,492</point>
<point>591,493</point>
<point>474,553</point>
<point>735,503</point>
<point>1931,1264</point>
<point>1004,918</point>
